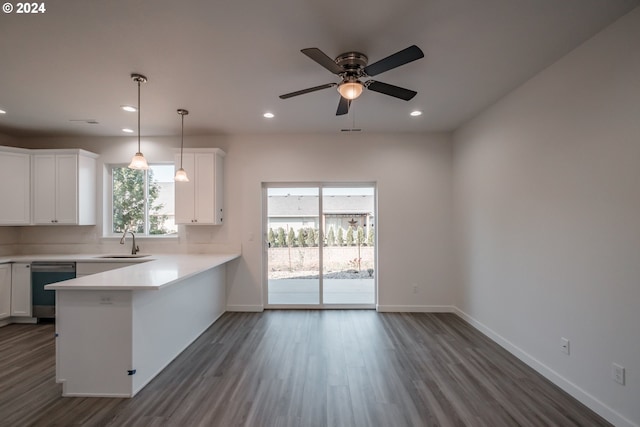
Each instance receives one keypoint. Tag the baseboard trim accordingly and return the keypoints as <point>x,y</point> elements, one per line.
<point>583,396</point>
<point>248,308</point>
<point>415,308</point>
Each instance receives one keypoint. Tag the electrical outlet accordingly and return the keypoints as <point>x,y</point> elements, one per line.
<point>415,288</point>
<point>564,345</point>
<point>617,373</point>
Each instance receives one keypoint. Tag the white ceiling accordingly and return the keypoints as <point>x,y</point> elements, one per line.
<point>227,61</point>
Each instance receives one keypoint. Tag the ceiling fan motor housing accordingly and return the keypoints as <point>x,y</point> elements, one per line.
<point>353,63</point>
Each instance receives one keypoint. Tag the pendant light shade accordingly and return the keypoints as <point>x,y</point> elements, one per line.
<point>181,175</point>
<point>138,161</point>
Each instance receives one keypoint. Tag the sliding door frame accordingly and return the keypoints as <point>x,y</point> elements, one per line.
<point>265,244</point>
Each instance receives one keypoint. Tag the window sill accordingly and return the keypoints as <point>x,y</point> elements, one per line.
<point>140,237</point>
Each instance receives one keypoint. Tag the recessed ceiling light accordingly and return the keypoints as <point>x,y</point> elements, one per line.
<point>416,113</point>
<point>268,115</point>
<point>3,112</point>
<point>129,108</point>
<point>127,130</point>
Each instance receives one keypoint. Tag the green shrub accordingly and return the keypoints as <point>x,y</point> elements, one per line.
<point>281,241</point>
<point>331,237</point>
<point>350,239</point>
<point>271,238</point>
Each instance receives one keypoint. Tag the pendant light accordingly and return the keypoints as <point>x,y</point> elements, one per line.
<point>181,175</point>
<point>138,161</point>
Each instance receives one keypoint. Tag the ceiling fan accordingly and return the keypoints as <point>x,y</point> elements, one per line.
<point>352,66</point>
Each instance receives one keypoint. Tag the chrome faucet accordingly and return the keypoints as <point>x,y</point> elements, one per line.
<point>134,248</point>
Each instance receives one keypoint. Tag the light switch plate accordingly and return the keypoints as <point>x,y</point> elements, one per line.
<point>617,373</point>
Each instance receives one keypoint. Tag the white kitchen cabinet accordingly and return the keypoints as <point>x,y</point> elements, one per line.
<point>200,201</point>
<point>5,291</point>
<point>21,289</point>
<point>64,187</point>
<point>15,186</point>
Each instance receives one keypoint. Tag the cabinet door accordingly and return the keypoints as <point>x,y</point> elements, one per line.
<point>5,291</point>
<point>204,188</point>
<point>185,191</point>
<point>219,190</point>
<point>21,290</point>
<point>15,168</point>
<point>44,189</point>
<point>66,178</point>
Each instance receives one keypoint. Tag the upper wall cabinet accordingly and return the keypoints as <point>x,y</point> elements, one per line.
<point>200,201</point>
<point>64,187</point>
<point>15,186</point>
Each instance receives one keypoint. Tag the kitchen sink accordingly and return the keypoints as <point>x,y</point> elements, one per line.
<point>123,256</point>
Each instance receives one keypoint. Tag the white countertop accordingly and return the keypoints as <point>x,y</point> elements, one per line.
<point>77,258</point>
<point>152,272</point>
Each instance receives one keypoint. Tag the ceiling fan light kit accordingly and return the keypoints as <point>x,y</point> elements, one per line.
<point>352,66</point>
<point>350,90</point>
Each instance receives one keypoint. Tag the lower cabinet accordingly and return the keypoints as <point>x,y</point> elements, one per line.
<point>21,289</point>
<point>5,291</point>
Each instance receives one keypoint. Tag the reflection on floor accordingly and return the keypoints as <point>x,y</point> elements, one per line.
<point>336,291</point>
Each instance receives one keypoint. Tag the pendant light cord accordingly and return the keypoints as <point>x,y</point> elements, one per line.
<point>138,115</point>
<point>181,140</point>
<point>352,113</point>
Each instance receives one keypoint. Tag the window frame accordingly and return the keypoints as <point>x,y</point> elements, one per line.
<point>108,204</point>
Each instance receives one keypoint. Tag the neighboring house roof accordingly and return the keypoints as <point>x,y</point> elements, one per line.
<point>297,206</point>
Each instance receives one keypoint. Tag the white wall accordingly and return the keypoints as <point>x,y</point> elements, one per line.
<point>413,176</point>
<point>9,240</point>
<point>547,202</point>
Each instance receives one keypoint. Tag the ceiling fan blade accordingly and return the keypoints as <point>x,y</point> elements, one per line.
<point>391,90</point>
<point>393,61</point>
<point>343,106</point>
<point>321,58</point>
<point>303,91</point>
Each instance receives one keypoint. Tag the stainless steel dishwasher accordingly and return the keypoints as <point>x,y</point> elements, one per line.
<point>44,273</point>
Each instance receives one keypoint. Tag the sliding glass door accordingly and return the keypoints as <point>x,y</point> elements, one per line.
<point>348,266</point>
<point>320,246</point>
<point>293,267</point>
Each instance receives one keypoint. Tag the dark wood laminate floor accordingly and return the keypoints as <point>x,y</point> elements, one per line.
<point>303,368</point>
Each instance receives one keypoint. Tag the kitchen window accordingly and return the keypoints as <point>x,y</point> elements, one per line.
<point>143,201</point>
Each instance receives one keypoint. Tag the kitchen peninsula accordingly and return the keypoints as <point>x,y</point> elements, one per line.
<point>116,330</point>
